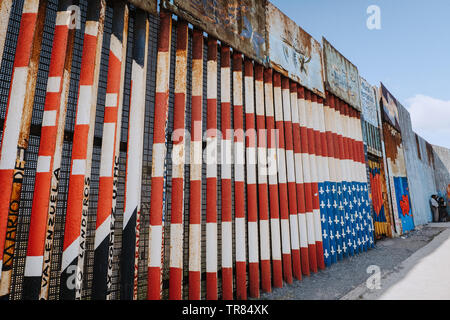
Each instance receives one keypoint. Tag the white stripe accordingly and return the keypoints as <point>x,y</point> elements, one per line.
<point>240,239</point>
<point>195,235</point>
<point>227,243</point>
<point>275,228</point>
<point>237,88</point>
<point>253,242</point>
<point>43,164</point>
<point>159,151</point>
<point>62,18</point>
<point>107,158</point>
<point>281,166</point>
<point>91,28</point>
<point>269,101</point>
<point>211,157</point>
<point>84,105</point>
<point>49,118</point>
<point>303,230</point>
<point>286,247</point>
<point>225,93</point>
<point>116,47</point>
<point>278,104</point>
<point>211,247</point>
<point>33,266</point>
<point>176,239</point>
<point>11,131</point>
<point>294,108</point>
<point>294,231</point>
<point>265,239</point>
<point>249,100</point>
<point>102,232</point>
<point>298,168</point>
<point>262,165</point>
<point>287,105</point>
<point>259,90</point>
<point>111,100</point>
<point>197,79</point>
<point>30,6</point>
<point>53,84</point>
<point>251,174</point>
<point>306,168</point>
<point>227,158</point>
<point>212,75</point>
<point>196,158</point>
<point>317,225</point>
<point>290,166</point>
<point>301,112</point>
<point>310,226</point>
<point>162,85</point>
<point>178,160</point>
<point>70,254</point>
<point>272,166</point>
<point>78,167</point>
<point>155,242</point>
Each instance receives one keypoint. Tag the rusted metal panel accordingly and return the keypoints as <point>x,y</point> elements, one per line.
<point>341,76</point>
<point>148,5</point>
<point>368,102</point>
<point>239,23</point>
<point>293,52</point>
<point>389,108</point>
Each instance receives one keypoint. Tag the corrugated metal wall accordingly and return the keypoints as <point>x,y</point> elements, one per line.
<point>323,214</point>
<point>420,170</point>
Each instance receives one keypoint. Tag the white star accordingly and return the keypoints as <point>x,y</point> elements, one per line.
<point>322,204</point>
<point>324,234</point>
<point>326,254</point>
<point>338,236</point>
<point>332,251</point>
<point>339,250</point>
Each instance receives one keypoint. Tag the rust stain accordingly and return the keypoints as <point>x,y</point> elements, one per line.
<point>147,5</point>
<point>238,23</point>
<point>393,141</point>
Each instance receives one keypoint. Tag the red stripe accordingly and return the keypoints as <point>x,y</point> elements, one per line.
<point>25,39</point>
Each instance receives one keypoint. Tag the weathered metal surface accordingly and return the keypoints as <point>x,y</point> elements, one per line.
<point>389,108</point>
<point>368,102</point>
<point>397,177</point>
<point>341,76</point>
<point>5,10</point>
<point>293,52</point>
<point>420,170</point>
<point>148,5</point>
<point>239,23</point>
<point>20,107</point>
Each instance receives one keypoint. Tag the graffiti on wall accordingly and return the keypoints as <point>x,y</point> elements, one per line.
<point>389,107</point>
<point>398,179</point>
<point>294,52</point>
<point>381,212</point>
<point>341,76</point>
<point>403,203</point>
<point>239,23</point>
<point>147,5</point>
<point>368,102</point>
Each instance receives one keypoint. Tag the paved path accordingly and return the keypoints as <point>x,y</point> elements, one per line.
<point>425,275</point>
<point>347,279</point>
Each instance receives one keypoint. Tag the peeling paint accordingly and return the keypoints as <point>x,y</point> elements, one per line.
<point>341,76</point>
<point>293,52</point>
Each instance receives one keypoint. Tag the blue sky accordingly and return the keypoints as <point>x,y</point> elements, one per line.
<point>410,54</point>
